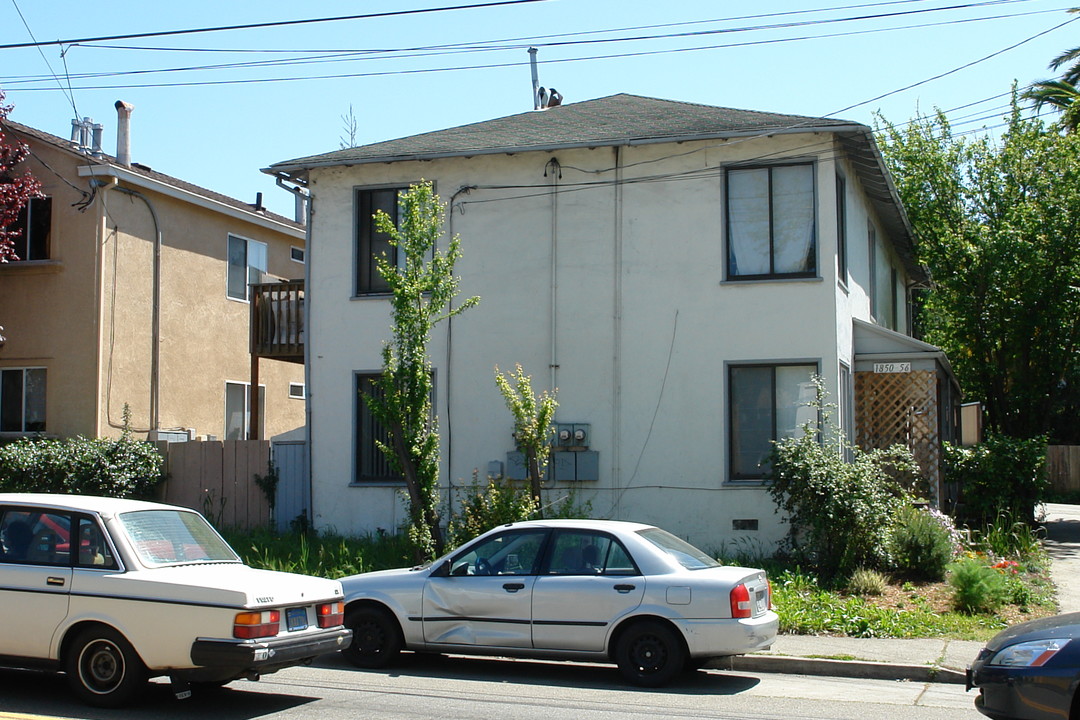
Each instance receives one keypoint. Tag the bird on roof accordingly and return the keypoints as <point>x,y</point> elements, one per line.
<point>555,99</point>
<point>542,95</point>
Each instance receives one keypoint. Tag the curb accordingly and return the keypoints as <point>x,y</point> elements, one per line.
<point>864,669</point>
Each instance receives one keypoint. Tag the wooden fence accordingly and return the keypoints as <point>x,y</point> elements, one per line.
<point>1063,467</point>
<point>218,479</point>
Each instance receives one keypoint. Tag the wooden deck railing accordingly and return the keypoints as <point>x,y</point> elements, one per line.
<point>277,320</point>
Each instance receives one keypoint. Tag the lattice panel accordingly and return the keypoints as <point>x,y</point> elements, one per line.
<point>901,408</point>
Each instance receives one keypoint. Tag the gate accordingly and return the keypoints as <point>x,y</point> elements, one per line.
<point>294,485</point>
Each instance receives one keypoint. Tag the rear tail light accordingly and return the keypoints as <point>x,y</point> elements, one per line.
<point>330,614</point>
<point>248,625</point>
<point>770,593</point>
<point>740,602</point>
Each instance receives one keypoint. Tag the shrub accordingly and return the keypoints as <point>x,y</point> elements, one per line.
<point>122,467</point>
<point>923,544</point>
<point>1007,537</point>
<point>867,582</point>
<point>840,511</point>
<point>977,587</point>
<point>482,508</point>
<point>1001,474</point>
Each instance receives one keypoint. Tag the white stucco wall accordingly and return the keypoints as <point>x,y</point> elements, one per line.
<point>642,329</point>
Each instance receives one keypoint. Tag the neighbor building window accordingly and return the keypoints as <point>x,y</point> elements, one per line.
<point>841,230</point>
<point>22,400</point>
<point>370,243</point>
<point>296,254</point>
<point>296,390</point>
<point>766,403</point>
<point>771,223</point>
<point>35,227</point>
<point>247,262</point>
<point>238,410</point>
<point>370,462</point>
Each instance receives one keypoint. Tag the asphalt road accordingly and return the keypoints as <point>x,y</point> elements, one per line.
<point>461,688</point>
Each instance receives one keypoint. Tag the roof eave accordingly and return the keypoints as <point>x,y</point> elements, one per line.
<point>300,169</point>
<point>131,177</point>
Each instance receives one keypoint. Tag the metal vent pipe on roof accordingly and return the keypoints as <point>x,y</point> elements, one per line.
<point>123,132</point>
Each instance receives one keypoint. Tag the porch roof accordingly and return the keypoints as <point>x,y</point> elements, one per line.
<point>873,343</point>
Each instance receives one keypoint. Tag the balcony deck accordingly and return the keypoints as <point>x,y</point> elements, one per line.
<point>277,320</point>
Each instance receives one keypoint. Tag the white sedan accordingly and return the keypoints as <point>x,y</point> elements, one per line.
<point>114,592</point>
<point>595,590</point>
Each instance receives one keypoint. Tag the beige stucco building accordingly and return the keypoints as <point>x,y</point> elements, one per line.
<point>132,291</point>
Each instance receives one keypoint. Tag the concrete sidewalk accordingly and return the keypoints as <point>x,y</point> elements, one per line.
<point>920,660</point>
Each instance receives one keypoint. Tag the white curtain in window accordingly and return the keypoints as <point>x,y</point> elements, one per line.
<point>794,393</point>
<point>748,222</point>
<point>793,218</point>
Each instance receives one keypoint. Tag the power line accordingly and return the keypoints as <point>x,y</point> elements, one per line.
<point>488,66</point>
<point>279,23</point>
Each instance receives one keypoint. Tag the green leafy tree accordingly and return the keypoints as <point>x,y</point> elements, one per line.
<point>534,416</point>
<point>998,225</point>
<point>422,291</point>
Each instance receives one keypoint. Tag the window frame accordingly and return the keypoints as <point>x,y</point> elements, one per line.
<point>731,368</point>
<point>231,292</point>
<point>366,280</point>
<point>773,274</point>
<point>841,230</point>
<point>26,222</point>
<point>380,474</point>
<point>25,401</point>
<point>246,415</point>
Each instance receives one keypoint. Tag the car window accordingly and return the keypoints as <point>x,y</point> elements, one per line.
<point>683,552</point>
<point>94,551</point>
<point>166,537</point>
<point>35,538</point>
<point>511,553</point>
<point>575,552</point>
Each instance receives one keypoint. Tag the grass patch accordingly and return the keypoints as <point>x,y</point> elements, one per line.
<point>329,556</point>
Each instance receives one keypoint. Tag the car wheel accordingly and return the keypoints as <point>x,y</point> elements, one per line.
<point>376,639</point>
<point>103,668</point>
<point>650,654</point>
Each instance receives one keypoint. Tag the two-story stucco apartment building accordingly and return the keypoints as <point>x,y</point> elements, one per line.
<point>677,271</point>
<point>132,289</point>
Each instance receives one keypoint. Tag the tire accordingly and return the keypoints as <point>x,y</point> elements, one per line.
<point>103,668</point>
<point>650,654</point>
<point>376,640</point>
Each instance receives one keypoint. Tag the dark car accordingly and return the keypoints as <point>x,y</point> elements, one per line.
<point>1030,671</point>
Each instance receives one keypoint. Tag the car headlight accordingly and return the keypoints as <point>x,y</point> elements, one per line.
<point>1029,654</point>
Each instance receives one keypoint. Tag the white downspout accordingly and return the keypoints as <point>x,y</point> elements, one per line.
<point>616,360</point>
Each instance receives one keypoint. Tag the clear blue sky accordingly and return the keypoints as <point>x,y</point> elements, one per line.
<point>830,58</point>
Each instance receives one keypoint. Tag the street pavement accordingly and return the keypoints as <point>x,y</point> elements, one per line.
<point>924,659</point>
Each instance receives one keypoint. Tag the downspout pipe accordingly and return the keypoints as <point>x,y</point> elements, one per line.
<point>305,199</point>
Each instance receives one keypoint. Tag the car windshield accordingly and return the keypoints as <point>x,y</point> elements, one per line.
<point>684,553</point>
<point>173,537</point>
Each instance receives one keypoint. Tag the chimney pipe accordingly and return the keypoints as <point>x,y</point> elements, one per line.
<point>123,132</point>
<point>535,78</point>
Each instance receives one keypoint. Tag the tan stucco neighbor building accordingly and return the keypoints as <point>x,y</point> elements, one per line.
<point>132,290</point>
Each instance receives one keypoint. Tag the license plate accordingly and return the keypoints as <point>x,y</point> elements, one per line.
<point>296,619</point>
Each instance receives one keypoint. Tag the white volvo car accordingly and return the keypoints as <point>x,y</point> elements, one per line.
<point>113,592</point>
<point>593,590</point>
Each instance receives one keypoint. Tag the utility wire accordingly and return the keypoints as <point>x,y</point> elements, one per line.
<point>279,23</point>
<point>488,66</point>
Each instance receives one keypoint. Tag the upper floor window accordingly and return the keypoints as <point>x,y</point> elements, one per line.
<point>296,254</point>
<point>35,228</point>
<point>370,243</point>
<point>247,262</point>
<point>766,403</point>
<point>771,222</point>
<point>22,400</point>
<point>841,229</point>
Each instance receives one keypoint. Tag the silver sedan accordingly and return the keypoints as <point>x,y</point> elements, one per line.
<point>593,590</point>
